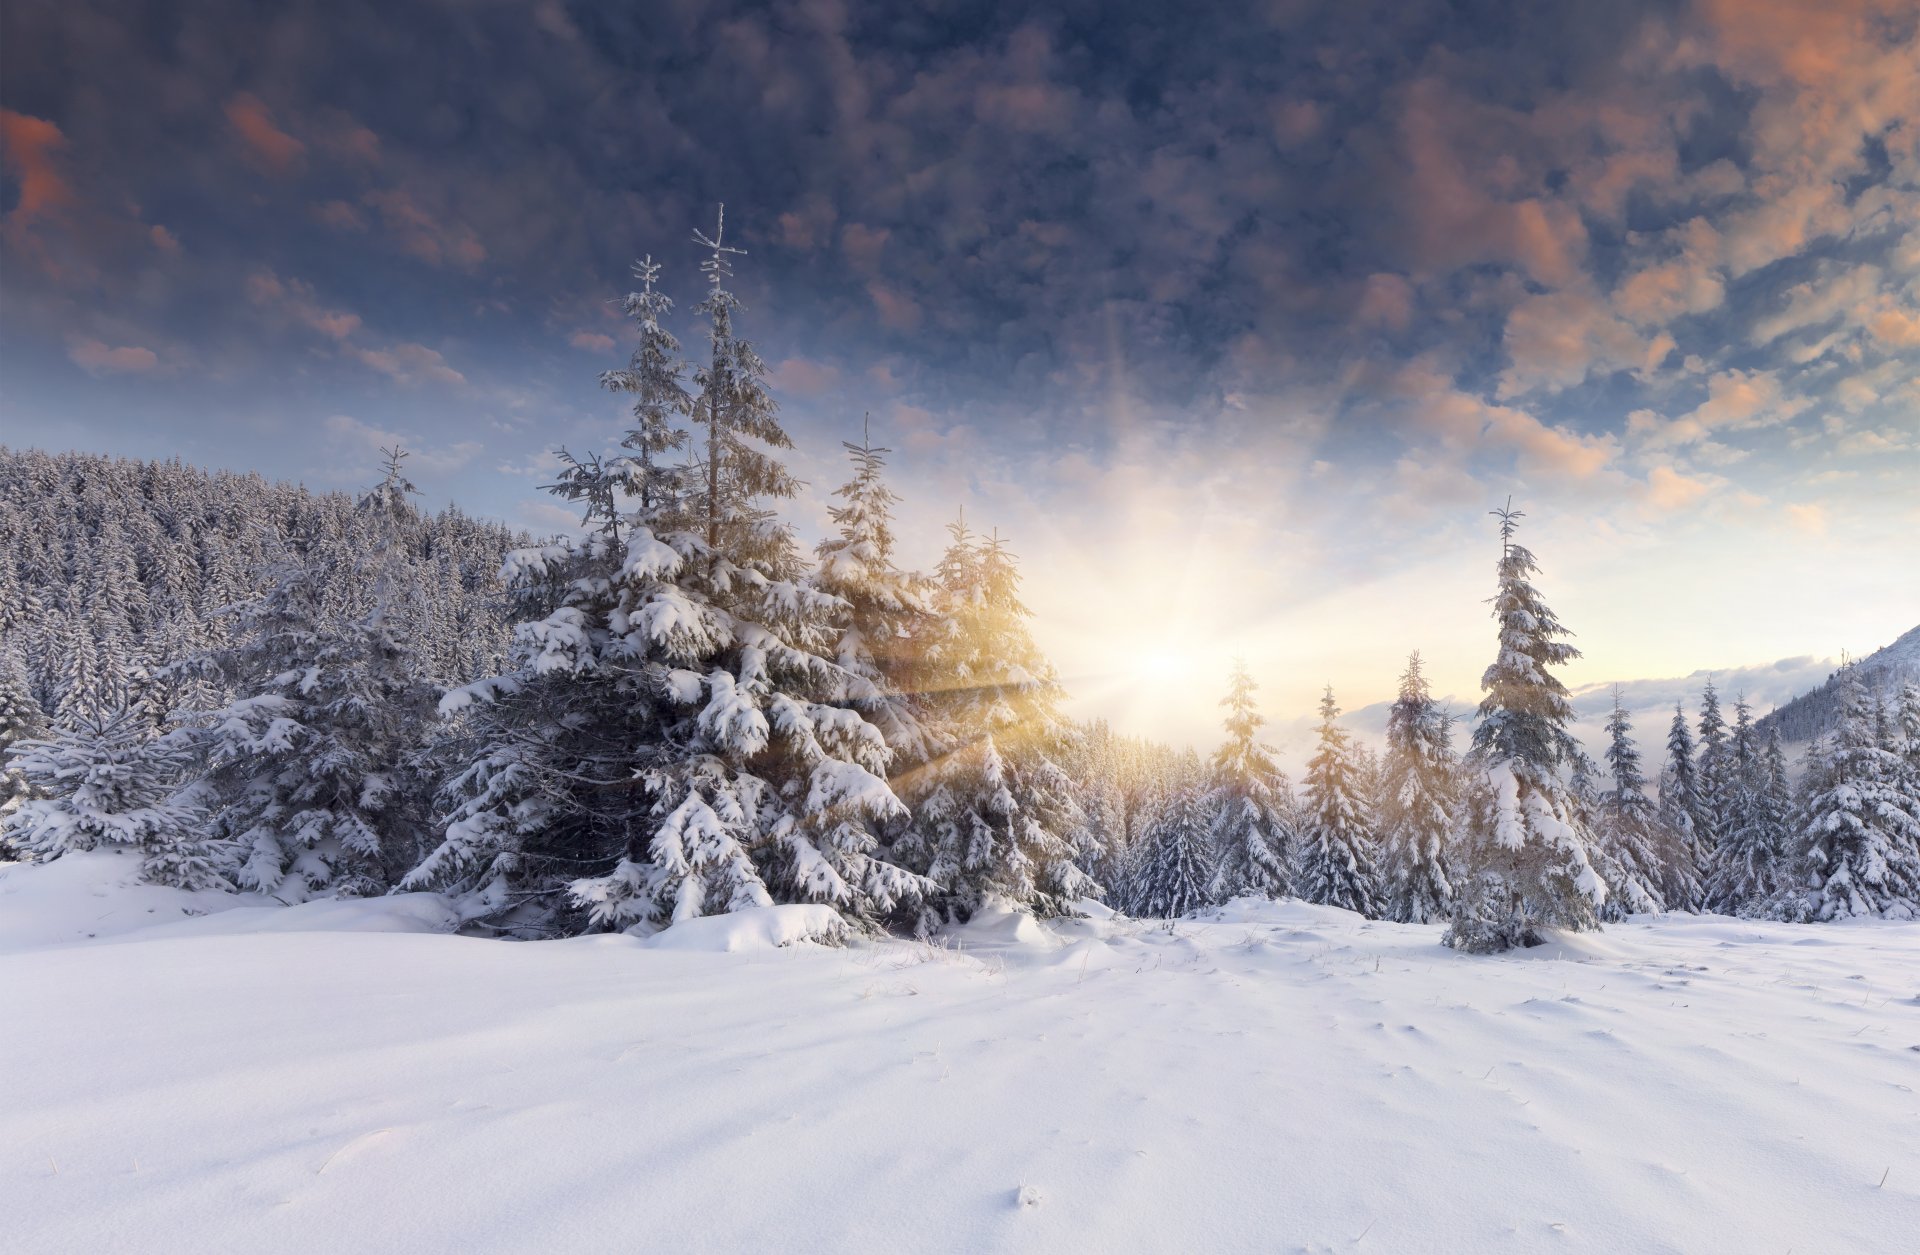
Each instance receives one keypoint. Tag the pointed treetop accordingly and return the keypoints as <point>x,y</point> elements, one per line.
<point>1509,522</point>
<point>717,267</point>
<point>394,477</point>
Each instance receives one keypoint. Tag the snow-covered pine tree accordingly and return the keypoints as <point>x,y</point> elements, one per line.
<point>1713,781</point>
<point>1528,867</point>
<point>652,376</point>
<point>1628,827</point>
<point>1175,872</point>
<point>993,814</point>
<point>1419,803</point>
<point>886,607</point>
<point>1684,865</point>
<point>106,782</point>
<point>21,721</point>
<point>312,779</point>
<point>1747,858</point>
<point>1861,851</point>
<point>1337,861</point>
<point>672,739</point>
<point>1252,838</point>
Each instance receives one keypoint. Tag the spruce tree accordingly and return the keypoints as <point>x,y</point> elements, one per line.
<point>1861,845</point>
<point>1252,835</point>
<point>1175,875</point>
<point>106,783</point>
<point>1337,865</point>
<point>1419,801</point>
<point>993,814</point>
<point>672,738</point>
<point>885,608</point>
<point>1629,828</point>
<point>1685,863</point>
<point>21,720</point>
<point>1714,781</point>
<point>1747,858</point>
<point>1527,859</point>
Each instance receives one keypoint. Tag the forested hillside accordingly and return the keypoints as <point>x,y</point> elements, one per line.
<point>111,569</point>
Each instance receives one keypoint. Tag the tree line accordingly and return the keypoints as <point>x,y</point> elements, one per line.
<point>689,714</point>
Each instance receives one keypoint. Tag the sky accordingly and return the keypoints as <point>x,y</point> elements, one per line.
<point>1235,326</point>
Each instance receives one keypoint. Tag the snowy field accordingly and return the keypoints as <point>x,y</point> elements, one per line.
<point>346,1077</point>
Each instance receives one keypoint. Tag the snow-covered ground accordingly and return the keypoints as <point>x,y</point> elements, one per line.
<point>347,1077</point>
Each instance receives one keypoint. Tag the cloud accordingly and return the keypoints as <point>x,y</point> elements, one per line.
<point>423,235</point>
<point>270,146</point>
<point>407,363</point>
<point>591,341</point>
<point>28,145</point>
<point>803,377</point>
<point>296,301</point>
<point>163,239</point>
<point>1808,517</point>
<point>97,358</point>
<point>1669,490</point>
<point>1557,339</point>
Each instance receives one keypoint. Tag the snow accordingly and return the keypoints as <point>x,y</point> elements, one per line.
<point>1268,1077</point>
<point>755,928</point>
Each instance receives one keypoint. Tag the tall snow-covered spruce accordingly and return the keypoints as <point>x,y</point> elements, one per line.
<point>994,815</point>
<point>1629,828</point>
<point>1175,872</point>
<point>1337,861</point>
<point>674,738</point>
<point>1417,815</point>
<point>1252,831</point>
<point>1526,848</point>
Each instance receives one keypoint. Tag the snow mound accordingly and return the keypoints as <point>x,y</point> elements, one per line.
<point>999,925</point>
<point>398,913</point>
<point>94,894</point>
<point>759,928</point>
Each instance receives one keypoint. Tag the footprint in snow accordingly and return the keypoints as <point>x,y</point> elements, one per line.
<point>1027,1196</point>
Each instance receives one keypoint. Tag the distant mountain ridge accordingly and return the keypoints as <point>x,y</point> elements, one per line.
<point>1812,713</point>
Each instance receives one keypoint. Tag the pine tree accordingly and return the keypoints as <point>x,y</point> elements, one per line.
<point>1861,851</point>
<point>1337,865</point>
<point>1714,783</point>
<point>1526,846</point>
<point>21,721</point>
<point>1746,861</point>
<point>652,377</point>
<point>106,783</point>
<point>1251,833</point>
<point>1629,828</point>
<point>1175,873</point>
<point>1420,797</point>
<point>994,814</point>
<point>884,607</point>
<point>1685,862</point>
<point>672,738</point>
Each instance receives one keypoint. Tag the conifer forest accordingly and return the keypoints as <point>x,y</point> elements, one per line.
<point>1124,636</point>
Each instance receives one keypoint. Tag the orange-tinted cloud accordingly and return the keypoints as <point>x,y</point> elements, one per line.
<point>97,357</point>
<point>591,341</point>
<point>163,239</point>
<point>253,122</point>
<point>425,236</point>
<point>27,145</point>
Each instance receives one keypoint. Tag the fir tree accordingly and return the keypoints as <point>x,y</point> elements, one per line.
<point>1861,852</point>
<point>1746,860</point>
<point>1251,832</point>
<point>1337,859</point>
<point>106,783</point>
<point>1629,829</point>
<point>1527,850</point>
<point>1175,875</point>
<point>1714,781</point>
<point>884,607</point>
<point>1420,798</point>
<point>993,814</point>
<point>652,377</point>
<point>672,738</point>
<point>1685,861</point>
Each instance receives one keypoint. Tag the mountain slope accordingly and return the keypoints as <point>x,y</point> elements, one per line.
<point>1812,713</point>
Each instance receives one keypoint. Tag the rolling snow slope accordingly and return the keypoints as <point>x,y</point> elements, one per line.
<point>1276,1077</point>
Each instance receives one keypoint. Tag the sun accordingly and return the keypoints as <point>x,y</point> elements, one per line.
<point>1164,664</point>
